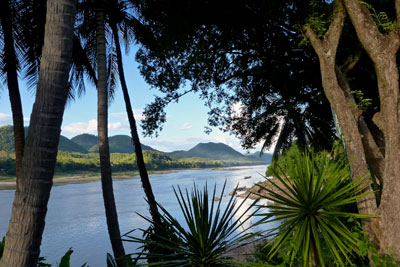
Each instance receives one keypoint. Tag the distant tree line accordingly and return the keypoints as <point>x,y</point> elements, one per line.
<point>80,162</point>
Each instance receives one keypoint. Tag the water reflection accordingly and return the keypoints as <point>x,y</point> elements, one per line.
<point>76,216</point>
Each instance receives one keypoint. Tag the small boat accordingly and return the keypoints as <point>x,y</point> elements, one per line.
<point>247,177</point>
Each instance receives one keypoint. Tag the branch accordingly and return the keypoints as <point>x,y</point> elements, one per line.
<point>335,29</point>
<point>312,36</point>
<point>350,64</point>
<point>397,6</point>
<point>332,36</point>
<point>364,25</point>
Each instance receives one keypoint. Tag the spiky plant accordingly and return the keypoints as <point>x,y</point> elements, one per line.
<point>310,200</point>
<point>208,232</point>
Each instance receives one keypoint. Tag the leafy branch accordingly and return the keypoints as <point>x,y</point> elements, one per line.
<point>362,103</point>
<point>382,20</point>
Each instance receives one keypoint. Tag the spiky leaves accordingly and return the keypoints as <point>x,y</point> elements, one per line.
<point>210,229</point>
<point>309,200</point>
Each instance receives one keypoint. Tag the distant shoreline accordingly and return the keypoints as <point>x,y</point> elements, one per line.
<point>9,183</point>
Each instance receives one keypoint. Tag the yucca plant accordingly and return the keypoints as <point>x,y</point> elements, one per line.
<point>310,200</point>
<point>208,232</point>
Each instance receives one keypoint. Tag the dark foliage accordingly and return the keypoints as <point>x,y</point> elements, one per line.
<point>243,53</point>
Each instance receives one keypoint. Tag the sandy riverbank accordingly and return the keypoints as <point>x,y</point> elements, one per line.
<point>7,183</point>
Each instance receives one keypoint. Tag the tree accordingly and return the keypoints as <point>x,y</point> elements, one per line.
<point>22,244</point>
<point>254,63</point>
<point>362,146</point>
<point>102,129</point>
<point>9,68</point>
<point>259,59</point>
<point>132,122</point>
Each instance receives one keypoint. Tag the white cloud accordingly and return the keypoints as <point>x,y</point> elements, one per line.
<point>91,127</point>
<point>81,127</point>
<point>5,119</point>
<point>138,113</point>
<point>113,126</point>
<point>186,126</point>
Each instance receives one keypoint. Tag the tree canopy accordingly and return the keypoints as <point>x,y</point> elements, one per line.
<point>236,54</point>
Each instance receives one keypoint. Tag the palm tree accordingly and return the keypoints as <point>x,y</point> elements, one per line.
<point>9,68</point>
<point>22,243</point>
<point>131,118</point>
<point>102,128</point>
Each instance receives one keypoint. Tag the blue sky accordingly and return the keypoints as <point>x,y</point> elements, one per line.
<point>185,120</point>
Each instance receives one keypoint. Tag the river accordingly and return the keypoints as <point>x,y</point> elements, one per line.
<point>76,216</point>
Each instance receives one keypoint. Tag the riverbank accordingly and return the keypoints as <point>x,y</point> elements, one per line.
<point>8,183</point>
<point>255,191</point>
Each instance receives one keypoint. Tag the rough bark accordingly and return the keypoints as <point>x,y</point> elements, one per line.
<point>326,50</point>
<point>134,133</point>
<point>22,243</point>
<point>373,153</point>
<point>382,49</point>
<point>10,58</point>
<point>102,128</point>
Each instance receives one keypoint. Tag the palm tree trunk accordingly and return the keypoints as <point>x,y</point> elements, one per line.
<point>10,59</point>
<point>102,128</point>
<point>22,243</point>
<point>134,133</point>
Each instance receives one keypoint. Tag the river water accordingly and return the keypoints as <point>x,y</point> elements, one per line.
<point>76,216</point>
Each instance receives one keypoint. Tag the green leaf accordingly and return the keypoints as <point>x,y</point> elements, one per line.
<point>65,260</point>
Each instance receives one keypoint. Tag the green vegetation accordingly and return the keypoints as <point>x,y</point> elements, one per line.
<point>7,138</point>
<point>74,162</point>
<point>70,146</point>
<point>311,205</point>
<point>80,154</point>
<point>208,231</point>
<point>119,144</point>
<point>288,158</point>
<point>85,140</point>
<point>210,151</point>
<point>64,262</point>
<point>83,143</point>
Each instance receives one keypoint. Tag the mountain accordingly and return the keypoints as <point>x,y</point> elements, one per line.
<point>210,151</point>
<point>265,157</point>
<point>120,144</point>
<point>86,141</point>
<point>7,141</point>
<point>70,146</point>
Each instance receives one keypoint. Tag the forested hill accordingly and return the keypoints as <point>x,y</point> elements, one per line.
<point>216,151</point>
<point>83,143</point>
<point>265,157</point>
<point>87,143</point>
<point>85,140</point>
<point>79,154</point>
<point>117,143</point>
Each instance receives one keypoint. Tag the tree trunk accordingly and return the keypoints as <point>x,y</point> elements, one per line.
<point>382,49</point>
<point>22,243</point>
<point>134,133</point>
<point>11,62</point>
<point>102,128</point>
<point>347,116</point>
